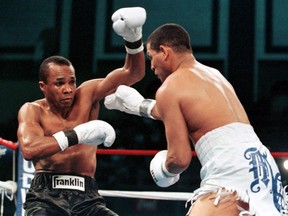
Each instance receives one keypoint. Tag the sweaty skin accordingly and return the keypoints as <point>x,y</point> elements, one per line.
<point>64,107</point>
<point>200,109</point>
<point>193,100</point>
<point>200,100</point>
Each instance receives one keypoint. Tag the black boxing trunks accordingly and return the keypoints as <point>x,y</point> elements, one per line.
<point>62,194</point>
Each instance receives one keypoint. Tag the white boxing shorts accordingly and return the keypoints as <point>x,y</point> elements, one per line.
<point>234,159</point>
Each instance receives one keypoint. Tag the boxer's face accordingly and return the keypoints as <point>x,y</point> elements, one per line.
<point>159,63</point>
<point>61,85</point>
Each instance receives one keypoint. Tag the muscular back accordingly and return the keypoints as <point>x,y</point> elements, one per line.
<point>204,98</point>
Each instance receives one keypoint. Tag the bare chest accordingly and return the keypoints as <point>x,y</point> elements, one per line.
<point>52,122</point>
<point>52,125</point>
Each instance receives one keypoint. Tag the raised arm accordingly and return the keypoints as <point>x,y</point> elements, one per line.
<point>127,23</point>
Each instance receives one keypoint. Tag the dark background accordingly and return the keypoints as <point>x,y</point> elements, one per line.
<point>246,40</point>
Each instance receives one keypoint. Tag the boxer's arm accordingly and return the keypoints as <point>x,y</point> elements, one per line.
<point>129,100</point>
<point>132,72</point>
<point>167,165</point>
<point>127,23</point>
<point>91,133</point>
<point>161,176</point>
<point>34,144</point>
<point>177,135</point>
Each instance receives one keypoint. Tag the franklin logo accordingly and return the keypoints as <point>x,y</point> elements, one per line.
<point>68,182</point>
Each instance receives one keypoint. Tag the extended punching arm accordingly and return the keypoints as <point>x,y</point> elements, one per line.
<point>129,100</point>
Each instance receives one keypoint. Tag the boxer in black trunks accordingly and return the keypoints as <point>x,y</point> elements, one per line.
<point>60,133</point>
<point>43,199</point>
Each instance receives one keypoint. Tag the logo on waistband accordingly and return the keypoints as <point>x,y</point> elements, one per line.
<point>68,182</point>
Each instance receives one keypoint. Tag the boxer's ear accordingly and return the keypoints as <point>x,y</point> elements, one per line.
<point>41,85</point>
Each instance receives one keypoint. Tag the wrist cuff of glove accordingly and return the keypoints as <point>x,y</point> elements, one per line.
<point>166,172</point>
<point>66,138</point>
<point>134,47</point>
<point>146,108</point>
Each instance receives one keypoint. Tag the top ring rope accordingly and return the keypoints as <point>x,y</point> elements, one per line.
<point>129,152</point>
<point>153,152</point>
<point>8,144</point>
<point>14,146</point>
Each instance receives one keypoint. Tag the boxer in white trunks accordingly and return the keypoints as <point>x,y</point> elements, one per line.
<point>197,104</point>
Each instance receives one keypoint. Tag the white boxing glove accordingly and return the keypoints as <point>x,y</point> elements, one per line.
<point>128,22</point>
<point>161,176</point>
<point>129,100</point>
<point>92,133</point>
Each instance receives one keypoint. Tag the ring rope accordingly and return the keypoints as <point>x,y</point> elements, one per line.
<point>159,195</point>
<point>8,144</point>
<point>155,195</point>
<point>130,152</point>
<point>153,152</point>
<point>14,146</point>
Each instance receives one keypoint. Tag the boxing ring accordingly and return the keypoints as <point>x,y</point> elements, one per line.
<point>9,188</point>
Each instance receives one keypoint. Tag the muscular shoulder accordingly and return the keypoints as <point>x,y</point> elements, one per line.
<point>175,84</point>
<point>32,106</point>
<point>90,89</point>
<point>178,90</point>
<point>30,111</point>
<point>168,97</point>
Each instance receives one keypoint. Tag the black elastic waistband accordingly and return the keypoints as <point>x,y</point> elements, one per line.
<point>45,180</point>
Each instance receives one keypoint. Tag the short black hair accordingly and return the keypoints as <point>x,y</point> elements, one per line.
<point>58,60</point>
<point>172,35</point>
